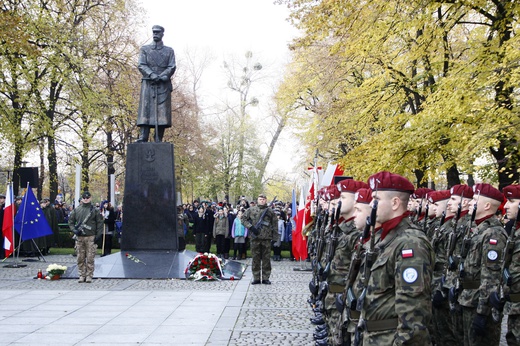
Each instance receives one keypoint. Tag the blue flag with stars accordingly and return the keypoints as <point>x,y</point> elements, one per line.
<point>30,221</point>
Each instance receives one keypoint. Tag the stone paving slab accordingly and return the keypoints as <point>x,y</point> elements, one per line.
<point>116,312</point>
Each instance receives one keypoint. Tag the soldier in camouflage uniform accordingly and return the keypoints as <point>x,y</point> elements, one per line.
<point>512,292</point>
<point>482,268</point>
<point>87,223</point>
<point>444,333</point>
<point>460,195</point>
<point>362,210</point>
<point>342,255</point>
<point>332,196</point>
<point>432,220</point>
<point>263,228</point>
<point>397,306</point>
<point>419,201</point>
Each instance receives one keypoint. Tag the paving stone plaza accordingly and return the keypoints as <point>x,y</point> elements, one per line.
<point>153,312</point>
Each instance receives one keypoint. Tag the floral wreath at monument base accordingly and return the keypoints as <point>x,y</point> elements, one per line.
<point>204,267</point>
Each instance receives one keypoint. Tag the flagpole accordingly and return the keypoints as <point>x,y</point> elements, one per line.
<point>16,254</point>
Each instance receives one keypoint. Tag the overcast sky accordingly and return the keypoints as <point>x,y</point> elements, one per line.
<point>227,28</point>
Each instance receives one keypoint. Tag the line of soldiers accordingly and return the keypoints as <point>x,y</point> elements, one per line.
<point>397,265</point>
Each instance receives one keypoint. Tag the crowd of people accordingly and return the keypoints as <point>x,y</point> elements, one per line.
<point>397,265</point>
<point>220,224</point>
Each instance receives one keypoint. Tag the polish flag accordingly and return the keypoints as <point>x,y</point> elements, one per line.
<point>7,226</point>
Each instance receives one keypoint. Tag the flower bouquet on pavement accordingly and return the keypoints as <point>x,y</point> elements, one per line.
<point>54,271</point>
<point>204,267</point>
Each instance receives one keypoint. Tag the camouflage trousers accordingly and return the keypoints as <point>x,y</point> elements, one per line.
<point>444,330</point>
<point>86,250</point>
<point>513,330</point>
<point>331,316</point>
<point>492,336</point>
<point>261,259</point>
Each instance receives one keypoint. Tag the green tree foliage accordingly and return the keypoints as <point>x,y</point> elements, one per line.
<point>66,78</point>
<point>420,88</point>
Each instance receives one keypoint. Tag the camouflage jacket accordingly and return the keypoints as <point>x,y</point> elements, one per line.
<point>513,308</point>
<point>343,254</point>
<point>440,243</point>
<point>433,224</point>
<point>88,217</point>
<point>451,275</point>
<point>269,224</point>
<point>483,265</point>
<point>399,287</point>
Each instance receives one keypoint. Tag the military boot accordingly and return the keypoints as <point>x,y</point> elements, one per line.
<point>144,134</point>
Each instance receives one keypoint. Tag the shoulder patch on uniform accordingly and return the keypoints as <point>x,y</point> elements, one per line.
<point>492,255</point>
<point>407,253</point>
<point>410,275</point>
<point>493,241</point>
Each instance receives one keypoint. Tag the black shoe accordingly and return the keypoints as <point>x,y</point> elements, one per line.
<point>322,342</point>
<point>321,328</point>
<point>320,335</point>
<point>317,320</point>
<point>255,282</point>
<point>266,282</point>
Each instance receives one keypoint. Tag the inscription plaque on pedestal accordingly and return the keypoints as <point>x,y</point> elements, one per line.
<point>149,204</point>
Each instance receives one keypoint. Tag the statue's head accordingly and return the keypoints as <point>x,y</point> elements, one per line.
<point>158,33</point>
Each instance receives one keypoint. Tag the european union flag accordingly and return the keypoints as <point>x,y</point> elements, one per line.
<point>30,222</point>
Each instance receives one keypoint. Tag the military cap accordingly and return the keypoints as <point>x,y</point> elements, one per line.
<point>262,195</point>
<point>2,195</point>
<point>488,190</point>
<point>436,196</point>
<point>386,181</point>
<point>461,190</point>
<point>350,185</point>
<point>157,28</point>
<point>421,192</point>
<point>18,198</point>
<point>86,194</point>
<point>363,195</point>
<point>511,191</point>
<point>332,193</point>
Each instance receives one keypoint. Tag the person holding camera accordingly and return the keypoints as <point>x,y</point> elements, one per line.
<point>87,224</point>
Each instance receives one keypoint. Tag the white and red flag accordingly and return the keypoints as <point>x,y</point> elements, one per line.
<point>7,225</point>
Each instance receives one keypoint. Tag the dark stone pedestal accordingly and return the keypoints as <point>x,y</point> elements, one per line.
<point>149,204</point>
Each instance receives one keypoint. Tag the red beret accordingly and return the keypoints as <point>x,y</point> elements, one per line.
<point>461,190</point>
<point>421,192</point>
<point>440,195</point>
<point>511,191</point>
<point>332,193</point>
<point>363,195</point>
<point>386,181</point>
<point>351,185</point>
<point>488,191</point>
<point>321,192</point>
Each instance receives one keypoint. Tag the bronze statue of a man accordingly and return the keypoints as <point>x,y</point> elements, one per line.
<point>157,65</point>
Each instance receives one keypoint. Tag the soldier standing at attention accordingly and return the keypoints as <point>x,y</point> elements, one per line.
<point>262,222</point>
<point>461,195</point>
<point>397,306</point>
<point>512,289</point>
<point>481,271</point>
<point>444,332</point>
<point>87,223</point>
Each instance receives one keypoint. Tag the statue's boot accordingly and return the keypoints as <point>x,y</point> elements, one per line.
<point>144,134</point>
<point>160,134</point>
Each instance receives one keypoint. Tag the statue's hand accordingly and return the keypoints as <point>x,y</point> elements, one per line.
<point>154,77</point>
<point>164,78</point>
